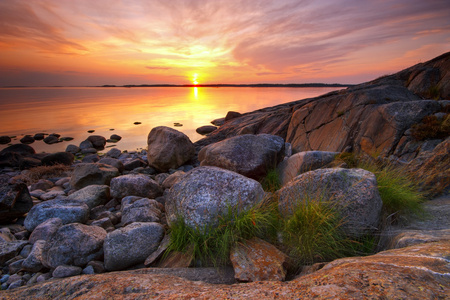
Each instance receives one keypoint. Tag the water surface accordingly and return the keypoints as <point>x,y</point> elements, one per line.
<point>71,112</point>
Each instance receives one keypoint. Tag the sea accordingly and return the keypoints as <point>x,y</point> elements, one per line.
<point>129,112</point>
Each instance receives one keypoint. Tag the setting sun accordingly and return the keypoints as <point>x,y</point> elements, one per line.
<point>194,79</point>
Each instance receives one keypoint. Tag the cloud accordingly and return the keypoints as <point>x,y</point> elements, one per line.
<point>238,39</point>
<point>157,68</point>
<point>21,26</point>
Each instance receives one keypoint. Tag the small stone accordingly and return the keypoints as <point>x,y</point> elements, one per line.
<point>28,139</point>
<point>44,277</point>
<point>137,123</point>
<point>39,136</point>
<point>63,271</point>
<point>115,137</point>
<point>5,139</point>
<point>88,270</point>
<point>51,139</point>
<point>91,131</point>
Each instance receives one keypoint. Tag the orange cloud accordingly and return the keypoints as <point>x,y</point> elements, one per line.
<point>137,41</point>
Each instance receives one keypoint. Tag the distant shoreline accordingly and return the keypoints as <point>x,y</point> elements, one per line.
<point>288,85</point>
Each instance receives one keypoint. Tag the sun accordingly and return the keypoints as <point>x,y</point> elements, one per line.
<point>194,79</point>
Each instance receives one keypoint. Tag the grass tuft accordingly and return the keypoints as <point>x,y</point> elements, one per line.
<point>313,233</point>
<point>271,183</point>
<point>212,245</point>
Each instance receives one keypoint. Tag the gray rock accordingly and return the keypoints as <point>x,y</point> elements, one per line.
<point>4,139</point>
<point>115,137</point>
<point>53,193</point>
<point>74,244</point>
<point>88,151</point>
<point>69,211</point>
<point>16,284</point>
<point>250,155</point>
<point>74,149</point>
<point>98,142</point>
<point>66,271</point>
<point>92,195</point>
<point>10,250</point>
<point>112,162</point>
<point>86,145</point>
<point>232,115</point>
<point>6,236</point>
<point>172,179</point>
<point>353,192</point>
<point>51,139</point>
<point>88,270</point>
<point>27,139</point>
<point>89,174</point>
<point>42,184</point>
<point>91,158</point>
<point>104,223</point>
<point>15,201</point>
<point>33,262</point>
<point>135,185</point>
<point>203,130</point>
<point>114,153</point>
<point>15,266</point>
<point>131,245</point>
<point>45,230</point>
<point>141,210</point>
<point>135,163</point>
<point>207,192</point>
<point>168,148</point>
<point>218,122</point>
<point>302,162</point>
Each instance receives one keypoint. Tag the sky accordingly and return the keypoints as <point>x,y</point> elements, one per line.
<point>86,42</point>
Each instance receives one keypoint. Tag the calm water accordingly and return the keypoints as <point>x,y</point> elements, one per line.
<point>71,112</point>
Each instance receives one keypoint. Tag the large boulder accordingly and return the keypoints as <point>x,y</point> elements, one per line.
<point>15,201</point>
<point>207,192</point>
<point>302,162</point>
<point>69,211</point>
<point>74,244</point>
<point>248,154</point>
<point>131,245</point>
<point>168,148</point>
<point>89,174</point>
<point>257,260</point>
<point>92,195</point>
<point>140,210</point>
<point>352,192</point>
<point>135,185</point>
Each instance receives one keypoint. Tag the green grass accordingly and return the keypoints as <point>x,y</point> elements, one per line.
<point>212,245</point>
<point>313,233</point>
<point>399,191</point>
<point>271,183</point>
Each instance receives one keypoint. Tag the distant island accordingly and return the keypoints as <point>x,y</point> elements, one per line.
<point>295,85</point>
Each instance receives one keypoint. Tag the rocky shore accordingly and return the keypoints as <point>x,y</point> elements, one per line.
<point>102,219</point>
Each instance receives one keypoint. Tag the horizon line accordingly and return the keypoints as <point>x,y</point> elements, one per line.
<point>191,85</point>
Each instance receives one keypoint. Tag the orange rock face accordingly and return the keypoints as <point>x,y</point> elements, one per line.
<point>416,272</point>
<point>258,260</point>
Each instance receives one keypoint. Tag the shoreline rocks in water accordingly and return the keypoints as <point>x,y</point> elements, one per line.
<point>112,215</point>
